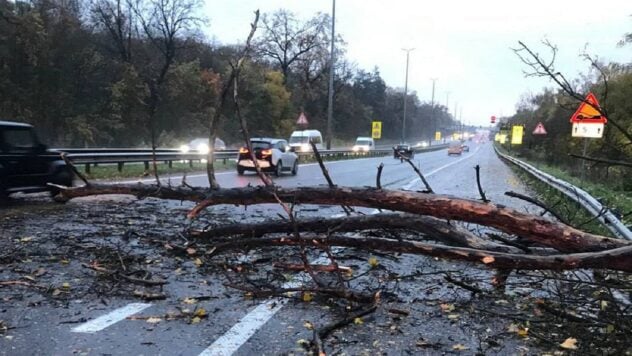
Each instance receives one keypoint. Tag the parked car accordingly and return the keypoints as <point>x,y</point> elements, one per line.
<point>272,154</point>
<point>455,148</point>
<point>403,150</point>
<point>201,145</point>
<point>300,140</point>
<point>363,144</point>
<point>26,165</point>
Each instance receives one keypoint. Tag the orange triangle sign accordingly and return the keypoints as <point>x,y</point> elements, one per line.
<point>588,113</point>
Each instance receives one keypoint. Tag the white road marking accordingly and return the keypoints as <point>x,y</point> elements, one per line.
<point>436,170</point>
<point>110,318</point>
<point>247,326</point>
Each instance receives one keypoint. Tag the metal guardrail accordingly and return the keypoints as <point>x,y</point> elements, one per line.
<point>120,156</point>
<point>592,205</point>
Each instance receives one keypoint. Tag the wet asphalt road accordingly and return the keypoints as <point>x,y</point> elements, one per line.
<point>46,330</point>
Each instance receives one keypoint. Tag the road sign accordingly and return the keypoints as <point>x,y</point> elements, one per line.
<point>493,119</point>
<point>437,135</point>
<point>587,120</point>
<point>376,129</point>
<point>302,119</point>
<point>516,134</point>
<point>539,129</point>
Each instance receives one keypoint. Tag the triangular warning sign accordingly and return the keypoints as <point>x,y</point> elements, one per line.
<point>588,113</point>
<point>539,129</point>
<point>302,119</point>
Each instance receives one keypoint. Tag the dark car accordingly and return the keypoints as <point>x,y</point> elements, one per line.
<point>25,164</point>
<point>403,150</point>
<point>272,155</point>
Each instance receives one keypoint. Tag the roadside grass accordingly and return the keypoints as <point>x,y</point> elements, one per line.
<point>133,170</point>
<point>609,193</point>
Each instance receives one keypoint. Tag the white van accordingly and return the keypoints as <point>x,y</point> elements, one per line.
<point>364,144</point>
<point>299,140</point>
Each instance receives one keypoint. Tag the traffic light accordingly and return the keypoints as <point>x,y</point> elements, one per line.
<point>493,119</point>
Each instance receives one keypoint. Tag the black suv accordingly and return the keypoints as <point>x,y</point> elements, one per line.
<point>25,164</point>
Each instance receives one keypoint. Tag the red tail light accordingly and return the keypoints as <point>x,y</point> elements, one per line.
<point>243,150</point>
<point>267,152</point>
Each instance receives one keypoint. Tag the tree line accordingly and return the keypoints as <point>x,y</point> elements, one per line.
<point>126,73</point>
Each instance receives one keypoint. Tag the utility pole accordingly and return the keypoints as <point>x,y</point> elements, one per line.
<point>455,115</point>
<point>433,124</point>
<point>330,102</point>
<point>408,50</point>
<point>447,99</point>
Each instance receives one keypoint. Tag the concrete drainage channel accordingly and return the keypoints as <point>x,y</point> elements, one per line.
<point>592,205</point>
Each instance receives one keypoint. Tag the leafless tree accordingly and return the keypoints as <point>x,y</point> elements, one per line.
<point>285,40</point>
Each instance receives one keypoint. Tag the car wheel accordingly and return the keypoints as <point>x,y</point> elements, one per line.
<point>279,168</point>
<point>240,171</point>
<point>295,167</point>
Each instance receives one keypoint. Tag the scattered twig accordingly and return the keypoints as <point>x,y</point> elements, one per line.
<point>423,179</point>
<point>463,285</point>
<point>378,178</point>
<point>537,203</point>
<point>478,183</point>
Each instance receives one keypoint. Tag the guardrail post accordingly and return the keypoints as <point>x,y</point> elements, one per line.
<point>170,163</point>
<point>120,166</point>
<point>88,168</point>
<point>146,165</point>
<point>191,163</point>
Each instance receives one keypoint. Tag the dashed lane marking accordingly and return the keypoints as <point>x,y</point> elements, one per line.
<point>110,318</point>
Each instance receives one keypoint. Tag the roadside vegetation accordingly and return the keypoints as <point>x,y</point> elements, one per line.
<point>99,74</point>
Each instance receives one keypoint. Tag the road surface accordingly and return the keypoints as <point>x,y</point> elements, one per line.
<point>237,325</point>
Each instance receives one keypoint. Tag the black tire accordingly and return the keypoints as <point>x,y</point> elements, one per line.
<point>279,169</point>
<point>295,167</point>
<point>240,171</point>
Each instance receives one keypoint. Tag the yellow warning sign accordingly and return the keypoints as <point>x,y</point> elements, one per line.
<point>376,129</point>
<point>437,135</point>
<point>516,135</point>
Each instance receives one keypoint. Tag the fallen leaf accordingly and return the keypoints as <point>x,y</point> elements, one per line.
<point>609,328</point>
<point>40,272</point>
<point>373,262</point>
<point>191,251</point>
<point>200,312</point>
<point>488,259</point>
<point>197,262</point>
<point>358,321</point>
<point>65,262</point>
<point>570,344</point>
<point>308,325</point>
<point>154,320</point>
<point>446,308</point>
<point>189,301</point>
<point>307,297</point>
<point>302,342</point>
<point>460,347</point>
<point>523,332</point>
<point>56,292</point>
<point>196,320</point>
<point>66,285</point>
<point>453,316</point>
<point>604,304</point>
<point>26,239</point>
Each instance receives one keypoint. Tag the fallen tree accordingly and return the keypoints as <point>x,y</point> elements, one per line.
<point>534,228</point>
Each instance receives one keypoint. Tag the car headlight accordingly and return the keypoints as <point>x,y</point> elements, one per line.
<point>203,148</point>
<point>184,149</point>
<point>355,148</point>
<point>305,147</point>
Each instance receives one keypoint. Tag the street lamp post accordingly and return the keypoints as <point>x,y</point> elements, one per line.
<point>433,124</point>
<point>330,103</point>
<point>408,50</point>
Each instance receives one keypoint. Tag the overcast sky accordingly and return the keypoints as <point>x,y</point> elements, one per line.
<point>466,45</point>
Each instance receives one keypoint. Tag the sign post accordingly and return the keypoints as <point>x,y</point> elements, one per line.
<point>302,120</point>
<point>376,130</point>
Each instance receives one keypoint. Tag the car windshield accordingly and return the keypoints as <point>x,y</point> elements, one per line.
<point>299,139</point>
<point>363,142</point>
<point>402,147</point>
<point>455,144</point>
